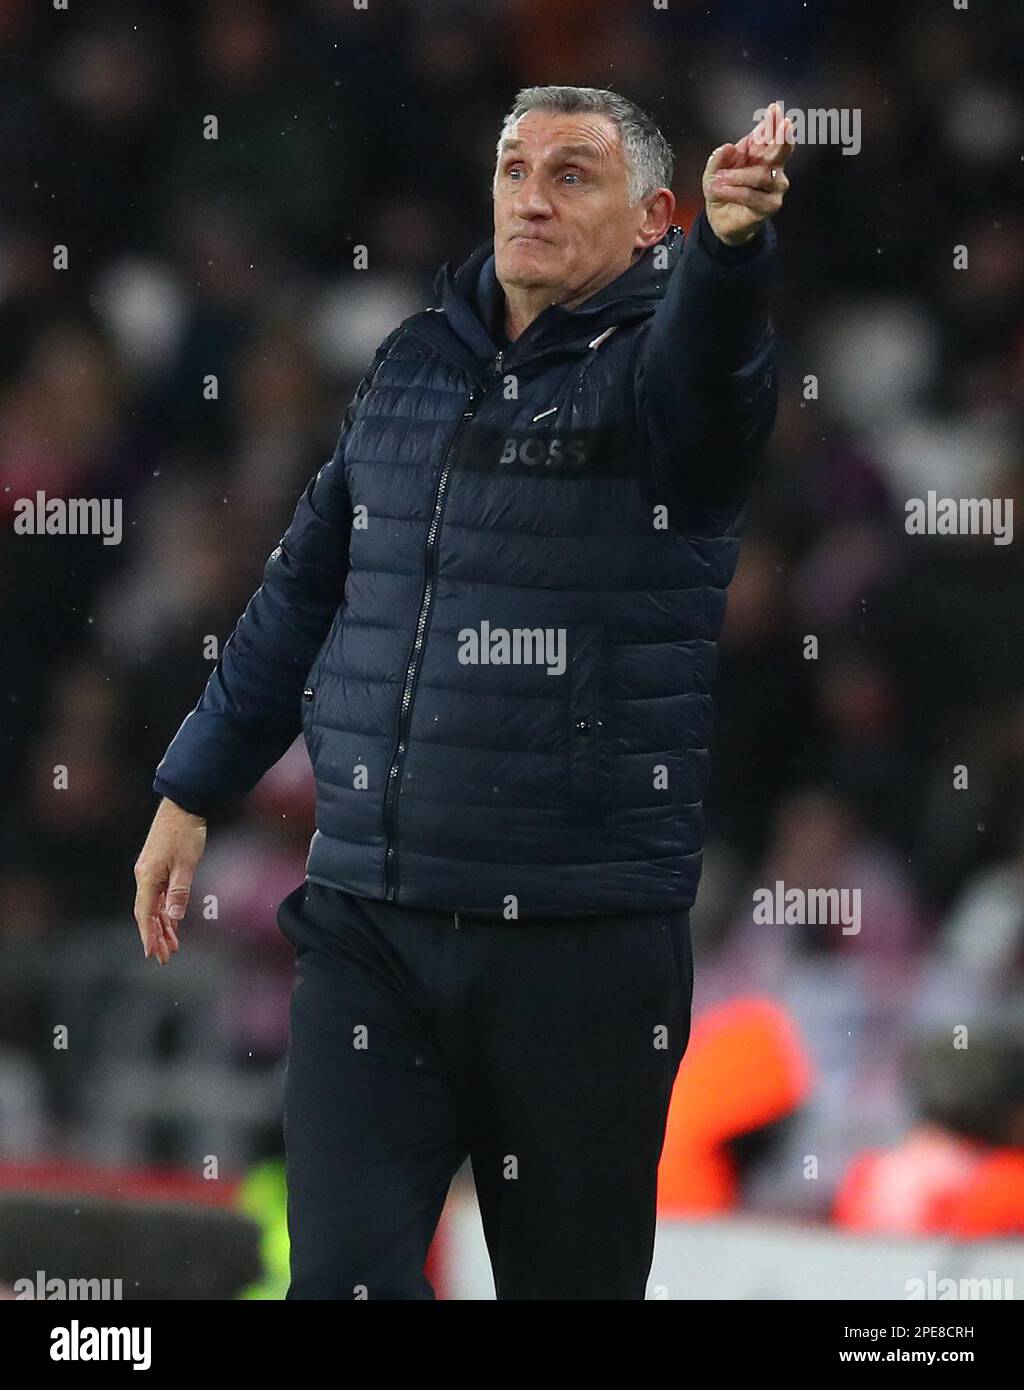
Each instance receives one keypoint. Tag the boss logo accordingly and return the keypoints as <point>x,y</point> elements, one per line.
<point>546,451</point>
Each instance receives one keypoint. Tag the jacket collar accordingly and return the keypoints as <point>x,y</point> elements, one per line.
<point>471,300</point>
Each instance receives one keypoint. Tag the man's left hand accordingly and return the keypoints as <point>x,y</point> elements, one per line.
<point>745,184</point>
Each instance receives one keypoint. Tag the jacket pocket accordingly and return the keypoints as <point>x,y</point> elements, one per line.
<point>586,722</point>
<point>313,682</point>
<point>310,691</point>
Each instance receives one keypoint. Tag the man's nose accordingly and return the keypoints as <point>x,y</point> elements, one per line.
<point>531,201</point>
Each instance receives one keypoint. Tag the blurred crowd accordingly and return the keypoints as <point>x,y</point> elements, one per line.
<point>888,755</point>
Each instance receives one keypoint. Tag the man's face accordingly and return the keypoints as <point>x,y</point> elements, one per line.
<point>562,220</point>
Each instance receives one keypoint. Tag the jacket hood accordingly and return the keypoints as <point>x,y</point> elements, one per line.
<point>471,299</point>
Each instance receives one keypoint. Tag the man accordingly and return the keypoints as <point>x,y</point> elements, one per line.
<point>494,615</point>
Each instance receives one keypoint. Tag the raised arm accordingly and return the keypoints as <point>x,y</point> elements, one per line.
<point>706,385</point>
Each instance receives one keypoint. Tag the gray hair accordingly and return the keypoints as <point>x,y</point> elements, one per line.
<point>648,154</point>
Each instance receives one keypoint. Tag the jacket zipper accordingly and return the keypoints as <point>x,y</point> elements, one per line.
<point>415,656</point>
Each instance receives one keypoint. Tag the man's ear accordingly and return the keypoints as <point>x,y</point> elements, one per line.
<point>659,208</point>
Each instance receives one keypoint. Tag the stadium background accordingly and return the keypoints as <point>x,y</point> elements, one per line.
<point>341,127</point>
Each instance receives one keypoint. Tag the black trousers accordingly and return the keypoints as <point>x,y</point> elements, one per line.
<point>545,1050</point>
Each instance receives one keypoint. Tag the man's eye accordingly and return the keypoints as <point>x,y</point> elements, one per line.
<point>570,176</point>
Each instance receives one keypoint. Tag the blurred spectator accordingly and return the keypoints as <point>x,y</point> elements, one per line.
<point>744,1074</point>
<point>984,934</point>
<point>957,1171</point>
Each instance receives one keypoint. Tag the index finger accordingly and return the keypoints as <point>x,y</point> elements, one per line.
<point>779,145</point>
<point>145,909</point>
<point>768,141</point>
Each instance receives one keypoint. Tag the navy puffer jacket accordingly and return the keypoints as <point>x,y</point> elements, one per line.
<point>494,614</point>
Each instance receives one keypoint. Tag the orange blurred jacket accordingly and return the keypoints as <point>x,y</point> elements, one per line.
<point>745,1067</point>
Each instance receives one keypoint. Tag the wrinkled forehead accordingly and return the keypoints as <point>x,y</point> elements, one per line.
<point>549,134</point>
